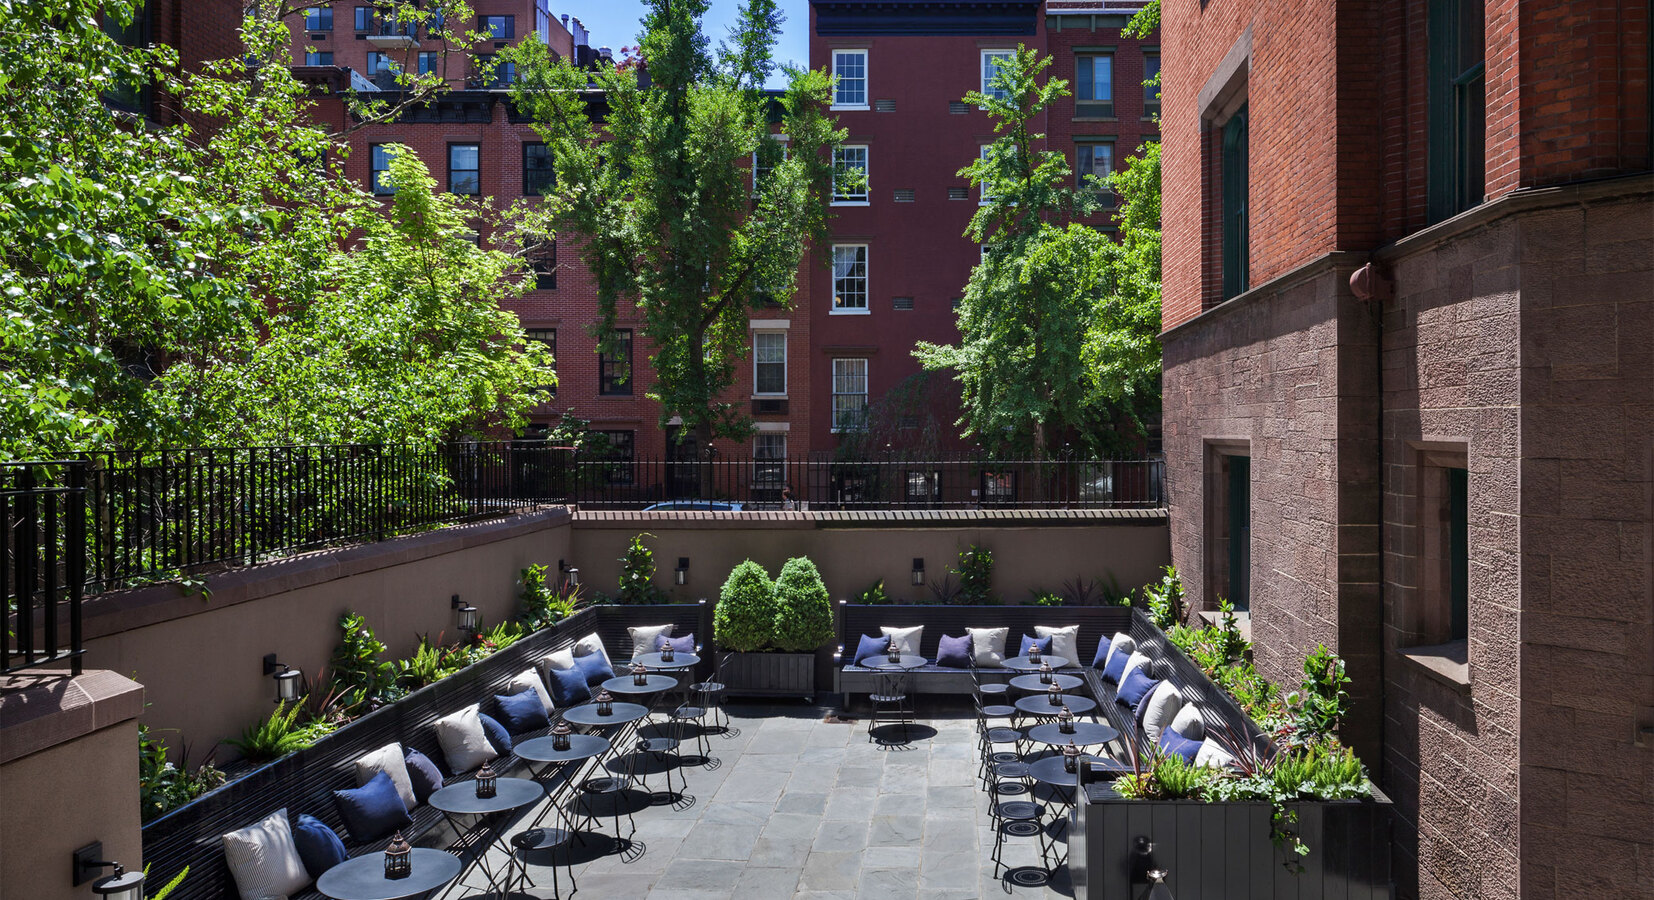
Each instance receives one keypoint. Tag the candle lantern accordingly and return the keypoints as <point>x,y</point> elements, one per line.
<point>487,782</point>
<point>895,651</point>
<point>1045,673</point>
<point>1054,693</point>
<point>666,651</point>
<point>605,703</point>
<point>398,858</point>
<point>1033,653</point>
<point>640,675</point>
<point>1070,758</point>
<point>1065,720</point>
<point>560,736</point>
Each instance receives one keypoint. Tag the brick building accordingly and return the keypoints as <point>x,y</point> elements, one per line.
<point>1409,356</point>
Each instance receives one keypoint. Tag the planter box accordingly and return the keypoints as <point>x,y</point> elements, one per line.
<point>1223,850</point>
<point>772,674</point>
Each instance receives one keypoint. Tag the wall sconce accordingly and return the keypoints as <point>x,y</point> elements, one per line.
<point>1157,886</point>
<point>573,577</point>
<point>681,574</point>
<point>467,615</point>
<point>918,571</point>
<point>122,885</point>
<point>289,681</point>
<point>1142,860</point>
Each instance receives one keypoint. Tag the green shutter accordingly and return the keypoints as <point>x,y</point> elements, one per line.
<point>1458,551</point>
<point>1240,531</point>
<point>1455,177</point>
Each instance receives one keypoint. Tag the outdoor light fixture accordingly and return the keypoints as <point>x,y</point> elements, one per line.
<point>1070,756</point>
<point>1033,653</point>
<point>640,675</point>
<point>1157,886</point>
<point>560,736</point>
<point>122,885</point>
<point>681,575</point>
<point>1054,693</point>
<point>289,681</point>
<point>573,578</point>
<point>398,858</point>
<point>487,782</point>
<point>467,614</point>
<point>918,571</point>
<point>894,651</point>
<point>1142,860</point>
<point>1045,673</point>
<point>1065,720</point>
<point>605,703</point>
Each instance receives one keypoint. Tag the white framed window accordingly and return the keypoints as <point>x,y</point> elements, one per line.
<point>846,160</point>
<point>769,363</point>
<point>849,278</point>
<point>849,394</point>
<point>985,198</point>
<point>991,61</point>
<point>1093,158</point>
<point>850,91</point>
<point>761,171</point>
<point>769,458</point>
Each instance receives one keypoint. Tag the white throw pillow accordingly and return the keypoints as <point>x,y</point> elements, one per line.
<point>464,744</point>
<point>1122,643</point>
<point>646,638</point>
<point>388,759</point>
<point>529,680</point>
<point>988,646</point>
<point>906,638</point>
<point>1136,659</point>
<point>263,859</point>
<point>559,660</point>
<point>590,644</point>
<point>1065,641</point>
<point>1164,704</point>
<point>1211,753</point>
<point>1189,723</point>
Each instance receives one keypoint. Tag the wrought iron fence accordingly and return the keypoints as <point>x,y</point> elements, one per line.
<point>42,563</point>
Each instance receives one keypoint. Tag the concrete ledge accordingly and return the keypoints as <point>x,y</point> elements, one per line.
<point>42,709</point>
<point>896,518</point>
<point>1447,663</point>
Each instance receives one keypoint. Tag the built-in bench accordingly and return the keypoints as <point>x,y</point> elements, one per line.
<point>304,782</point>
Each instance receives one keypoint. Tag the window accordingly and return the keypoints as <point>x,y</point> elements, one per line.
<point>850,67</point>
<point>769,459</point>
<point>1094,93</point>
<point>464,175</point>
<point>364,18</point>
<point>381,64</point>
<point>318,57</point>
<point>769,362</point>
<point>763,161</point>
<point>318,18</point>
<point>380,167</point>
<point>429,61</point>
<point>986,198</point>
<point>548,338</point>
<point>991,61</point>
<point>849,277</point>
<point>542,259</point>
<point>920,486</point>
<point>849,394</point>
<point>1228,519</point>
<point>1235,174</point>
<point>1094,158</point>
<point>850,174</point>
<point>999,487</point>
<point>500,28</point>
<point>614,368</point>
<point>622,451</point>
<point>1457,124</point>
<point>490,74</point>
<point>1440,609</point>
<point>538,174</point>
<point>1151,83</point>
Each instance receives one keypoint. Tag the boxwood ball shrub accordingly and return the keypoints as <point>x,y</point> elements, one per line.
<point>745,617</point>
<point>803,612</point>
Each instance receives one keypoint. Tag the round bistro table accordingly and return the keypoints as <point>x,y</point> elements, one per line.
<point>461,800</point>
<point>363,878</point>
<point>1085,734</point>
<point>1032,682</point>
<point>1024,664</point>
<point>1040,705</point>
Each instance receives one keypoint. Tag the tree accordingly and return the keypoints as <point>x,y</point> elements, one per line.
<point>666,204</point>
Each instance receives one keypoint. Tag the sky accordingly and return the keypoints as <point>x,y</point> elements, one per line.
<point>615,23</point>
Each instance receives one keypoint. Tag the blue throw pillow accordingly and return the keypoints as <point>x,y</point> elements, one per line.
<point>595,667</point>
<point>1136,686</point>
<point>522,712</point>
<point>870,646</point>
<point>422,773</point>
<point>1111,673</point>
<point>373,810</point>
<point>1102,651</point>
<point>1175,744</point>
<point>685,644</point>
<point>568,686</point>
<point>319,846</point>
<point>1044,645</point>
<point>497,735</point>
<point>954,652</point>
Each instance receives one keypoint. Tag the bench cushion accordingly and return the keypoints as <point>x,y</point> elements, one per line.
<point>1108,646</point>
<point>387,759</point>
<point>1135,687</point>
<point>521,712</point>
<point>465,745</point>
<point>423,774</point>
<point>529,680</point>
<point>1065,640</point>
<point>1177,745</point>
<point>595,666</point>
<point>370,812</point>
<point>646,638</point>
<point>954,652</point>
<point>1044,644</point>
<point>908,639</point>
<point>869,646</point>
<point>319,846</point>
<point>1159,708</point>
<point>498,736</point>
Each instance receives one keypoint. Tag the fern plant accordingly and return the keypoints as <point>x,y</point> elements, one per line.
<point>170,886</point>
<point>279,735</point>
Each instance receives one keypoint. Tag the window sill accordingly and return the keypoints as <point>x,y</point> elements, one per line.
<point>615,396</point>
<point>837,108</point>
<point>851,203</point>
<point>1447,663</point>
<point>1094,119</point>
<point>769,396</point>
<point>849,312</point>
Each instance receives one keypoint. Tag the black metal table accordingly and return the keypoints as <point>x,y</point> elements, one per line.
<point>586,714</point>
<point>891,695</point>
<point>1024,664</point>
<point>652,684</point>
<point>1040,705</point>
<point>544,759</point>
<point>363,878</point>
<point>1051,771</point>
<point>457,800</point>
<point>1085,734</point>
<point>1033,683</point>
<point>678,661</point>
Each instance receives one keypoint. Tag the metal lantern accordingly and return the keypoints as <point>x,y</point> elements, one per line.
<point>680,575</point>
<point>1054,693</point>
<point>398,858</point>
<point>1065,720</point>
<point>1157,886</point>
<point>640,674</point>
<point>1070,758</point>
<point>560,736</point>
<point>1045,673</point>
<point>467,614</point>
<point>918,571</point>
<point>895,651</point>
<point>487,782</point>
<point>667,652</point>
<point>605,703</point>
<point>574,577</point>
<point>289,681</point>
<point>1033,653</point>
<point>122,885</point>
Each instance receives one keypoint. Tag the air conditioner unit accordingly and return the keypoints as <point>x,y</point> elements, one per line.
<point>776,406</point>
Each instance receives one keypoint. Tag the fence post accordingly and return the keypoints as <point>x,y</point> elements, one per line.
<point>75,556</point>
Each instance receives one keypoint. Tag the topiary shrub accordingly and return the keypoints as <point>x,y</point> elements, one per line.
<point>803,611</point>
<point>745,617</point>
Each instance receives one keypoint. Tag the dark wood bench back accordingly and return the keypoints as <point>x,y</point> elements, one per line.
<point>1218,708</point>
<point>1095,623</point>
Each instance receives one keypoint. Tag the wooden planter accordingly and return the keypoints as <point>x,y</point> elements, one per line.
<point>770,674</point>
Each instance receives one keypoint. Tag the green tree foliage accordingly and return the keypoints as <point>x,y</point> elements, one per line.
<point>803,611</point>
<point>976,577</point>
<point>664,193</point>
<point>745,617</point>
<point>637,574</point>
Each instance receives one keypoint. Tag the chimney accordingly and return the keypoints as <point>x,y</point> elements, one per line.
<point>605,52</point>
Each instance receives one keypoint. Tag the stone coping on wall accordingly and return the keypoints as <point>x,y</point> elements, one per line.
<point>42,708</point>
<point>894,518</point>
<point>118,611</point>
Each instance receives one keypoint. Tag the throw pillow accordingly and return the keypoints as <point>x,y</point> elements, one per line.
<point>954,652</point>
<point>1162,706</point>
<point>1137,660</point>
<point>1116,667</point>
<point>1189,722</point>
<point>529,680</point>
<point>1044,644</point>
<point>521,712</point>
<point>464,744</point>
<point>685,644</point>
<point>263,859</point>
<point>1212,754</point>
<point>371,811</point>
<point>498,737</point>
<point>988,644</point>
<point>1107,646</point>
<point>869,646</point>
<point>595,666</point>
<point>319,846</point>
<point>426,777</point>
<point>568,686</point>
<point>1134,688</point>
<point>646,638</point>
<point>906,638</point>
<point>1175,744</point>
<point>1065,641</point>
<point>387,759</point>
<point>590,644</point>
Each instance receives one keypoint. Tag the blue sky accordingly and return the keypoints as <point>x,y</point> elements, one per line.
<point>615,23</point>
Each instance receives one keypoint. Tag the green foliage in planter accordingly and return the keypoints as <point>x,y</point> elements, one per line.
<point>1168,778</point>
<point>745,617</point>
<point>1045,598</point>
<point>170,886</point>
<point>803,611</point>
<point>637,572</point>
<point>1322,702</point>
<point>162,786</point>
<point>364,679</point>
<point>1165,600</point>
<point>279,735</point>
<point>431,662</point>
<point>976,576</point>
<point>875,595</point>
<point>543,604</point>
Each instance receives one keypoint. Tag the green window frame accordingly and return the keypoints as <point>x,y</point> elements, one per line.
<point>1236,176</point>
<point>1456,176</point>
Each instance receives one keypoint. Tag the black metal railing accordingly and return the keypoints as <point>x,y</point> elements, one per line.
<point>42,563</point>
